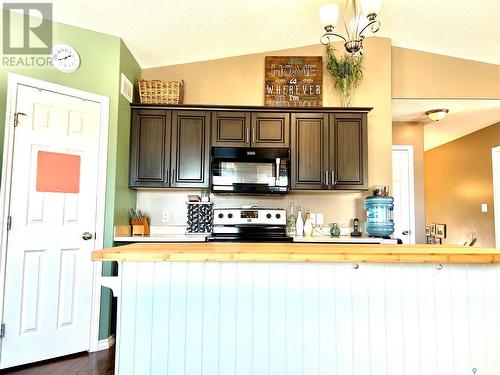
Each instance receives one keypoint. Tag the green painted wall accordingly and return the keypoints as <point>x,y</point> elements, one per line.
<point>102,58</point>
<point>124,197</point>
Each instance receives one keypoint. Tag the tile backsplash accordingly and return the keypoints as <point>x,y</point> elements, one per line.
<point>339,207</point>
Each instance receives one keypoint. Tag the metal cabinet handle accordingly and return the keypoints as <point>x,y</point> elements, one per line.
<point>87,236</point>
<point>247,137</point>
<point>333,178</point>
<point>253,135</point>
<point>326,178</point>
<point>173,175</point>
<point>167,176</point>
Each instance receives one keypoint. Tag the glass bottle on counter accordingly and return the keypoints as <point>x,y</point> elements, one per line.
<point>335,230</point>
<point>290,220</point>
<point>299,223</point>
<point>308,226</point>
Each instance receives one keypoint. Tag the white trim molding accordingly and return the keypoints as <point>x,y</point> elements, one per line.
<point>105,344</point>
<point>495,153</point>
<point>14,80</point>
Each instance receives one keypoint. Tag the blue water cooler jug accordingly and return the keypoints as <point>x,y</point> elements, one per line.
<point>379,215</point>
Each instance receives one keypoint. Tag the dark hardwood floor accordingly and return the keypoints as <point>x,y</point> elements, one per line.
<point>98,363</point>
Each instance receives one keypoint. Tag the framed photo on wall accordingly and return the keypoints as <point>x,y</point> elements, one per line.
<point>441,230</point>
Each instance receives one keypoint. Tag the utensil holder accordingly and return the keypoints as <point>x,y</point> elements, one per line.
<point>200,217</point>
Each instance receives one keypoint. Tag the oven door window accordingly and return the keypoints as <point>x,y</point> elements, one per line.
<point>229,173</point>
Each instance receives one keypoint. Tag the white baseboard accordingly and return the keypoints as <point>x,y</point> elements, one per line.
<point>106,343</point>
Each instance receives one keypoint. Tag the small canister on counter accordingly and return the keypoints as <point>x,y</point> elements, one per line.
<point>200,217</point>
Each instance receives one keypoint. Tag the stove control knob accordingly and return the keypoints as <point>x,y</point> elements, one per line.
<point>230,216</point>
<point>278,216</point>
<point>221,216</point>
<point>268,216</point>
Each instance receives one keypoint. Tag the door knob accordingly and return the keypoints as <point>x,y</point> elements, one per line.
<point>405,233</point>
<point>87,236</point>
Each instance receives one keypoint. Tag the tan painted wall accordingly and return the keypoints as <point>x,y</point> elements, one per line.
<point>240,80</point>
<point>412,133</point>
<point>458,178</point>
<point>417,74</point>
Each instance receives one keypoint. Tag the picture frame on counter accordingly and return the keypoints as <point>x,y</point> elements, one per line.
<point>432,229</point>
<point>440,230</point>
<point>427,230</point>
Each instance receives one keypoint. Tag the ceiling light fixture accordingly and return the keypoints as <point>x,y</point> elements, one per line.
<point>356,10</point>
<point>437,114</point>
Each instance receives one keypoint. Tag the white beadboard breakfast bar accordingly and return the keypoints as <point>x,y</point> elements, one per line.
<point>305,308</point>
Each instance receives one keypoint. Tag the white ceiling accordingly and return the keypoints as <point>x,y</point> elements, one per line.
<point>167,32</point>
<point>465,116</point>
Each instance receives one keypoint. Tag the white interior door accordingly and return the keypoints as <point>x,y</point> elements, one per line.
<point>48,278</point>
<point>403,193</point>
<point>496,192</point>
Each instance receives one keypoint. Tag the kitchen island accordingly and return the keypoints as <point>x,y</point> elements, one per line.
<point>300,308</point>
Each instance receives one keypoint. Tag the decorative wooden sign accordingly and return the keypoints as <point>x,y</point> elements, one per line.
<point>294,81</point>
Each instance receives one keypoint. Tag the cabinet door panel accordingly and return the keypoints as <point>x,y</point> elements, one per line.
<point>231,129</point>
<point>149,148</point>
<point>309,150</point>
<point>270,129</point>
<point>190,149</point>
<point>348,156</point>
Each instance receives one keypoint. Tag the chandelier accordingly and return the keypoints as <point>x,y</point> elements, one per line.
<point>362,15</point>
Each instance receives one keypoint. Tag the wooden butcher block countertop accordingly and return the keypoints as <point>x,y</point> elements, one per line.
<point>298,252</point>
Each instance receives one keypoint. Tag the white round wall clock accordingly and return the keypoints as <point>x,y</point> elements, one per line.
<point>65,58</point>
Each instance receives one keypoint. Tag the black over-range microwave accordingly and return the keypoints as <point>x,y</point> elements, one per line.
<point>250,170</point>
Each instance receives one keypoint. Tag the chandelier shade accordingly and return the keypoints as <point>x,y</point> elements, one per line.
<point>358,15</point>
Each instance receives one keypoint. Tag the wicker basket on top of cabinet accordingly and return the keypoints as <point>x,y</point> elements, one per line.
<point>161,92</point>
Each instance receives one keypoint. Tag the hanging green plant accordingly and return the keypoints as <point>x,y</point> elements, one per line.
<point>346,71</point>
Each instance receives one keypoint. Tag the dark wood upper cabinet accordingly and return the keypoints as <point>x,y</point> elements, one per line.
<point>309,150</point>
<point>348,157</point>
<point>150,148</point>
<point>231,129</point>
<point>170,145</point>
<point>190,149</point>
<point>270,129</point>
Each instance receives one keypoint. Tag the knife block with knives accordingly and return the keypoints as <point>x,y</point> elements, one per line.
<point>139,222</point>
